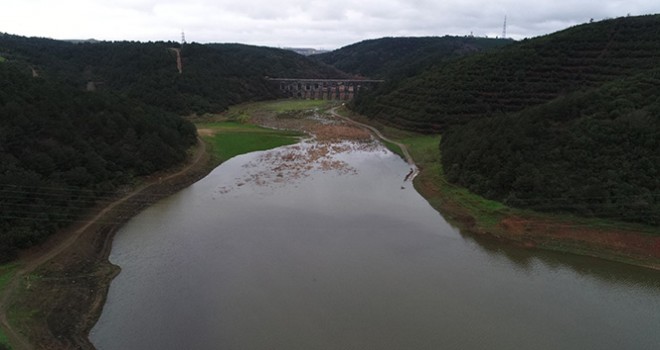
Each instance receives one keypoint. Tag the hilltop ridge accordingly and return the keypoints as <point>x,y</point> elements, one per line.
<point>517,76</point>
<point>566,122</point>
<point>397,57</point>
<point>214,77</point>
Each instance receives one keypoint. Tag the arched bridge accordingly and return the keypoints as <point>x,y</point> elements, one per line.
<point>322,89</point>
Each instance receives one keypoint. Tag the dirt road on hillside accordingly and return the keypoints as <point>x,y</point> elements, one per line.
<point>75,236</point>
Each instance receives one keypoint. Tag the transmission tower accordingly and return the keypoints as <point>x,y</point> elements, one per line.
<point>183,38</point>
<point>504,28</point>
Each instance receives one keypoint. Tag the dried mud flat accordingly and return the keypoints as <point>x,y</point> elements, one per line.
<point>329,137</point>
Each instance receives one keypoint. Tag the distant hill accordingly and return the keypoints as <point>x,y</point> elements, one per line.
<point>214,77</point>
<point>568,122</point>
<point>403,56</point>
<point>305,51</point>
<point>517,76</point>
<point>77,41</point>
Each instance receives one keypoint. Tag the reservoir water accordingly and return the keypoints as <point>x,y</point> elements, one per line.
<point>343,254</point>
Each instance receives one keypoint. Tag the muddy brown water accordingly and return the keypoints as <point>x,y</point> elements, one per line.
<point>260,256</point>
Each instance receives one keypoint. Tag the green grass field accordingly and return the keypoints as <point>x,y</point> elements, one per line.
<point>394,148</point>
<point>230,139</point>
<point>6,273</point>
<point>277,106</point>
<point>4,342</point>
<point>487,213</point>
<point>233,135</point>
<point>426,152</point>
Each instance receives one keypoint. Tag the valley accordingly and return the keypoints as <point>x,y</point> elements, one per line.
<point>540,155</point>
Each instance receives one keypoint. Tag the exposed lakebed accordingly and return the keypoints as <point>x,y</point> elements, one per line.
<point>317,247</point>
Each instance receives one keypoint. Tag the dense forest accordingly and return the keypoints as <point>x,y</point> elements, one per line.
<point>397,58</point>
<point>61,149</point>
<point>565,122</point>
<point>568,122</point>
<point>79,120</point>
<point>517,76</point>
<point>593,153</point>
<point>214,77</point>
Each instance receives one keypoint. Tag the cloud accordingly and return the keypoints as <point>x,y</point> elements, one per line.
<point>319,24</point>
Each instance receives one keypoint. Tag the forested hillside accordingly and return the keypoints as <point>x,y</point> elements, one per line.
<point>568,122</point>
<point>61,149</point>
<point>594,153</point>
<point>80,119</point>
<point>517,76</point>
<point>396,58</point>
<point>214,76</point>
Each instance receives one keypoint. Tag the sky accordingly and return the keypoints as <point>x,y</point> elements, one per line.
<point>318,24</point>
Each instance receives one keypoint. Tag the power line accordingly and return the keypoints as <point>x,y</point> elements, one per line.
<point>504,28</point>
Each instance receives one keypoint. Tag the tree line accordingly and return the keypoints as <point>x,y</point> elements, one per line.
<point>62,149</point>
<point>593,153</point>
<point>567,122</point>
<point>516,76</point>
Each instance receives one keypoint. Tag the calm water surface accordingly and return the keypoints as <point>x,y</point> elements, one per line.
<point>351,257</point>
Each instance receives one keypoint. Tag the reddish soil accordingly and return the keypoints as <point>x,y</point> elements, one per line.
<point>627,245</point>
<point>617,244</point>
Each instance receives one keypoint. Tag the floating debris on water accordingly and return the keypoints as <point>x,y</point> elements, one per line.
<point>329,137</point>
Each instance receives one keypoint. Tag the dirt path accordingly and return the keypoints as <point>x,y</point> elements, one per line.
<point>179,64</point>
<point>404,149</point>
<point>32,263</point>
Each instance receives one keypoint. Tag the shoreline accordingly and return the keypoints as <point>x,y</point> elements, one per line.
<point>531,230</point>
<point>68,277</point>
<point>618,242</point>
<point>60,287</point>
<point>614,241</point>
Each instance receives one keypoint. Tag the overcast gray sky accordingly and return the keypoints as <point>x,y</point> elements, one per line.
<point>299,23</point>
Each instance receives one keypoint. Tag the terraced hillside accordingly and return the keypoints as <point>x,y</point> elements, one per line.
<point>517,76</point>
<point>394,58</point>
<point>594,153</point>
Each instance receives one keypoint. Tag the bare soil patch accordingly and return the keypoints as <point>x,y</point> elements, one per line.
<point>617,244</point>
<point>205,132</point>
<point>329,136</point>
<point>610,243</point>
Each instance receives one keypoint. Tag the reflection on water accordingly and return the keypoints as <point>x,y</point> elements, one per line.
<point>351,257</point>
<point>606,271</point>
